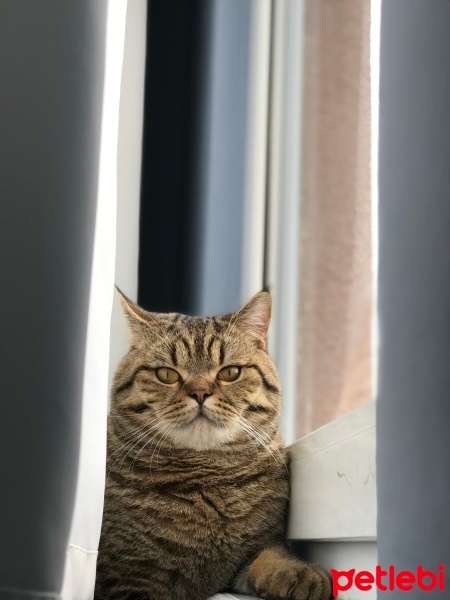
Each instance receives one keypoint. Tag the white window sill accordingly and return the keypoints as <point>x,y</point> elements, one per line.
<point>333,495</point>
<point>333,510</point>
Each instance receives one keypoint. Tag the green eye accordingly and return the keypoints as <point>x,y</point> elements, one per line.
<point>229,373</point>
<point>166,375</point>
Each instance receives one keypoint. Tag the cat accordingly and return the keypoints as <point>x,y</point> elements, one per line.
<point>197,476</point>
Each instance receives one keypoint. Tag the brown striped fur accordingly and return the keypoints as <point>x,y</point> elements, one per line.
<point>196,494</point>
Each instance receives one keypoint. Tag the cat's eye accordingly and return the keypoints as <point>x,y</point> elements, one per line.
<point>229,374</point>
<point>166,375</point>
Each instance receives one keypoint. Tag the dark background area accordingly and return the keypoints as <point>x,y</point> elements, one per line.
<point>177,43</point>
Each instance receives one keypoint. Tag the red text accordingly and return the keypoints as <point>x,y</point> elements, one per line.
<point>388,579</point>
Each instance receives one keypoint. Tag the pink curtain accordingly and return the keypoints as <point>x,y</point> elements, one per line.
<point>336,280</point>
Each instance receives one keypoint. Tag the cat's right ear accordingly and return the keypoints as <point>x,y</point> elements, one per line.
<point>137,318</point>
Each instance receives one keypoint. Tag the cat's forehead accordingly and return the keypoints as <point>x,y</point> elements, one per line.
<point>196,341</point>
<point>175,323</point>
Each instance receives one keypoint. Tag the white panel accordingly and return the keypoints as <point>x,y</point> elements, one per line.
<point>87,517</point>
<point>79,576</point>
<point>129,158</point>
<point>119,179</point>
<point>333,480</point>
<point>284,199</point>
<point>255,210</point>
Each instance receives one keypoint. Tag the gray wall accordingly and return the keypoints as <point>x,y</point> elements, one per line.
<point>51,73</point>
<point>414,286</point>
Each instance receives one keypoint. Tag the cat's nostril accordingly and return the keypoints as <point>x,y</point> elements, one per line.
<point>200,394</point>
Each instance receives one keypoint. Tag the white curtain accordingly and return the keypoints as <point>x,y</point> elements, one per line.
<point>81,558</point>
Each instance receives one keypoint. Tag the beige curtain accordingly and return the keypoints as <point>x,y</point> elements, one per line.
<point>334,356</point>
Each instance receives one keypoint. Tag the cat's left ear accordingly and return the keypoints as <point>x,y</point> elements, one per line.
<point>254,317</point>
<point>137,318</point>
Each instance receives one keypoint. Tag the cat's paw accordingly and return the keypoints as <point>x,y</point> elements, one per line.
<point>289,579</point>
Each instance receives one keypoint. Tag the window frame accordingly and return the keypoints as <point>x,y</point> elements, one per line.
<point>332,448</point>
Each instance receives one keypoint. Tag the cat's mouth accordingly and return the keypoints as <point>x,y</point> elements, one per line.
<point>202,416</point>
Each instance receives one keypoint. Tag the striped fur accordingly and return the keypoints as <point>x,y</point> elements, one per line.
<point>197,493</point>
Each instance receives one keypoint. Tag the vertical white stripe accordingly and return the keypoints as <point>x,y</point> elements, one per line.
<point>255,196</point>
<point>129,159</point>
<point>87,517</point>
<point>284,200</point>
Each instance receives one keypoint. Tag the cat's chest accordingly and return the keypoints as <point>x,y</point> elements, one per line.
<point>208,506</point>
<point>223,501</point>
<point>205,516</point>
<point>202,500</point>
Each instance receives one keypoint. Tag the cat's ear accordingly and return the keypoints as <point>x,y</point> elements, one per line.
<point>137,318</point>
<point>254,317</point>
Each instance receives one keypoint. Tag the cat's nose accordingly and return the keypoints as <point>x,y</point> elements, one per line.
<point>200,394</point>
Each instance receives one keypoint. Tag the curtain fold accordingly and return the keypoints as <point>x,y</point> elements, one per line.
<point>52,72</point>
<point>84,536</point>
<point>413,409</point>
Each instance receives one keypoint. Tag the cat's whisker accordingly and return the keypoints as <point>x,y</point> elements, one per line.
<point>270,418</point>
<point>123,455</point>
<point>133,431</point>
<point>162,442</point>
<point>167,428</point>
<point>265,436</point>
<point>250,431</point>
<point>130,435</point>
<point>157,428</point>
<point>134,443</point>
<point>265,443</point>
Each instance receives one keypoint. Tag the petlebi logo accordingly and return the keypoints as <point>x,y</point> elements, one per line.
<point>389,579</point>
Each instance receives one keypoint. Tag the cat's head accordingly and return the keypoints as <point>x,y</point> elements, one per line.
<point>199,382</point>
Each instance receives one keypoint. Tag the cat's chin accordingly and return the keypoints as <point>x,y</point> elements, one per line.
<point>202,434</point>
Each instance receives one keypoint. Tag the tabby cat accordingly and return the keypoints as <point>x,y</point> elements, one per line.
<point>197,477</point>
